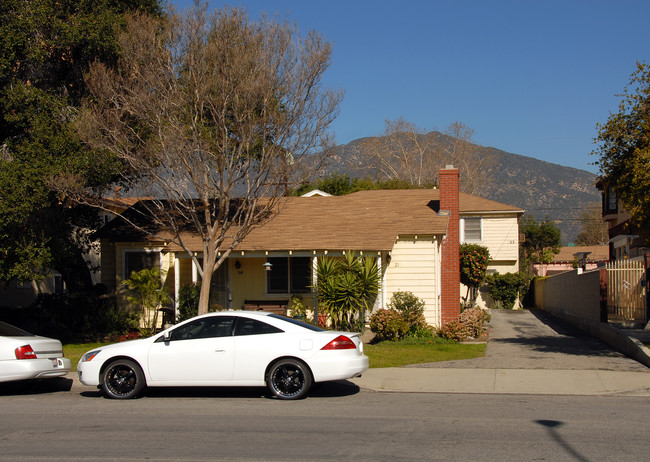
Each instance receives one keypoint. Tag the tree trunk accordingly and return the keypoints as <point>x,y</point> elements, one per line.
<point>209,260</point>
<point>204,294</point>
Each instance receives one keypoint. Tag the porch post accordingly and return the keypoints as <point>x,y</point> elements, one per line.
<point>177,283</point>
<point>314,283</point>
<point>646,259</point>
<point>382,274</point>
<point>195,272</point>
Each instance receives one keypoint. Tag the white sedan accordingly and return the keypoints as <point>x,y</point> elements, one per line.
<point>26,356</point>
<point>230,348</point>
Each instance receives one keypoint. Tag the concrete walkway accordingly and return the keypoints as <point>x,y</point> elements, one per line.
<point>527,352</point>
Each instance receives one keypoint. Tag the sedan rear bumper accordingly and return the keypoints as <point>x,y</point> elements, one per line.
<point>24,369</point>
<point>341,368</point>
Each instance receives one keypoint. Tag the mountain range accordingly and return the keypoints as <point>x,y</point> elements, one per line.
<point>541,188</point>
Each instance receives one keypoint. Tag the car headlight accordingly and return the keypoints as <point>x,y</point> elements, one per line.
<point>89,356</point>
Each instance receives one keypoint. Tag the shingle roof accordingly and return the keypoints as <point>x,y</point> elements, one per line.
<point>365,220</point>
<point>368,220</point>
<point>596,253</point>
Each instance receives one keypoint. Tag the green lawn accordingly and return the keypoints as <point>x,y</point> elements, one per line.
<point>395,354</point>
<point>74,351</point>
<point>384,354</point>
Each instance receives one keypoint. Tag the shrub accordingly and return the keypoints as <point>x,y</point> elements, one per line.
<point>388,325</point>
<point>188,301</point>
<point>404,317</point>
<point>80,314</point>
<point>406,302</point>
<point>504,288</point>
<point>468,325</point>
<point>474,260</point>
<point>411,308</point>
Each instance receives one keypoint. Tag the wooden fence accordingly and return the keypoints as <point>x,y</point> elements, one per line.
<point>626,291</point>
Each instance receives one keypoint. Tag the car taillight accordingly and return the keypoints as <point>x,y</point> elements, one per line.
<point>25,352</point>
<point>340,343</point>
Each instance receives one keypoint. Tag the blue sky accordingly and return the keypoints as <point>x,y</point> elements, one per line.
<point>529,77</point>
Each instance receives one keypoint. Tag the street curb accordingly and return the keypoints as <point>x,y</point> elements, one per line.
<point>627,345</point>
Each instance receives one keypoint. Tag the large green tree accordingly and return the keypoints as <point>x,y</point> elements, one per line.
<point>542,240</point>
<point>342,184</point>
<point>46,47</point>
<point>624,149</point>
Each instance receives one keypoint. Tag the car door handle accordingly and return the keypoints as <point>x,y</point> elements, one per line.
<point>219,351</point>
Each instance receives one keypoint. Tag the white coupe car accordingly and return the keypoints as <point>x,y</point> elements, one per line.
<point>231,348</point>
<point>26,356</point>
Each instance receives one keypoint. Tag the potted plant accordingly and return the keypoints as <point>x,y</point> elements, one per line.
<point>298,309</point>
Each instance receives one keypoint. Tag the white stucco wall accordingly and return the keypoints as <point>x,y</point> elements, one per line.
<point>414,267</point>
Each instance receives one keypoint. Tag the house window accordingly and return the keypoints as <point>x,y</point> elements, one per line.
<point>471,229</point>
<point>139,260</point>
<point>289,275</point>
<point>58,284</point>
<point>612,204</point>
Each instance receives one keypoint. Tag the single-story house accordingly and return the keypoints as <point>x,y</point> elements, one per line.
<point>570,258</point>
<point>413,234</point>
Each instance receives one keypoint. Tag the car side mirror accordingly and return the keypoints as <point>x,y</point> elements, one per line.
<point>167,336</point>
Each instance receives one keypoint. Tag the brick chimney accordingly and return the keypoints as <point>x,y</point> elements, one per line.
<point>450,277</point>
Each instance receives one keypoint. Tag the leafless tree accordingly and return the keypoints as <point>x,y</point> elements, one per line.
<point>464,155</point>
<point>407,152</point>
<point>593,229</point>
<point>212,116</point>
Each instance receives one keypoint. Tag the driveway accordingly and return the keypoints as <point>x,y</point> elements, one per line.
<point>530,339</point>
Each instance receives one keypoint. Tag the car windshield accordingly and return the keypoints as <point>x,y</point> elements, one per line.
<point>297,322</point>
<point>8,330</point>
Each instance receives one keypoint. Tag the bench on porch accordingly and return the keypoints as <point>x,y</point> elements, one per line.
<point>273,306</point>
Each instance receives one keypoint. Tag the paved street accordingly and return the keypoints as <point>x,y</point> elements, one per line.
<point>336,422</point>
<point>542,392</point>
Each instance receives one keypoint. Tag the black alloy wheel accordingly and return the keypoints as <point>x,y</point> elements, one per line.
<point>289,379</point>
<point>123,379</point>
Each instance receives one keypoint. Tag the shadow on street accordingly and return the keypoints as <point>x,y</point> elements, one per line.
<point>320,390</point>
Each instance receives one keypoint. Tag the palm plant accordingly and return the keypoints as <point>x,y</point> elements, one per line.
<point>147,291</point>
<point>347,288</point>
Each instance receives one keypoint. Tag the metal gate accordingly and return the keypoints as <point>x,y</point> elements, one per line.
<point>626,291</point>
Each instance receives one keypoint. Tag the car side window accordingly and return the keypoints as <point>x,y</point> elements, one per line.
<point>210,327</point>
<point>247,326</point>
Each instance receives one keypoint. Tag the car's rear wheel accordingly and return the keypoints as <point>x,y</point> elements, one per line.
<point>123,379</point>
<point>289,379</point>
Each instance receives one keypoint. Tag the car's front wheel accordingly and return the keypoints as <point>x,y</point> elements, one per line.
<point>289,379</point>
<point>123,379</point>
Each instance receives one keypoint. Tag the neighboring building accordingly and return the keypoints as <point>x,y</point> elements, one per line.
<point>17,294</point>
<point>411,233</point>
<point>571,258</point>
<point>624,240</point>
